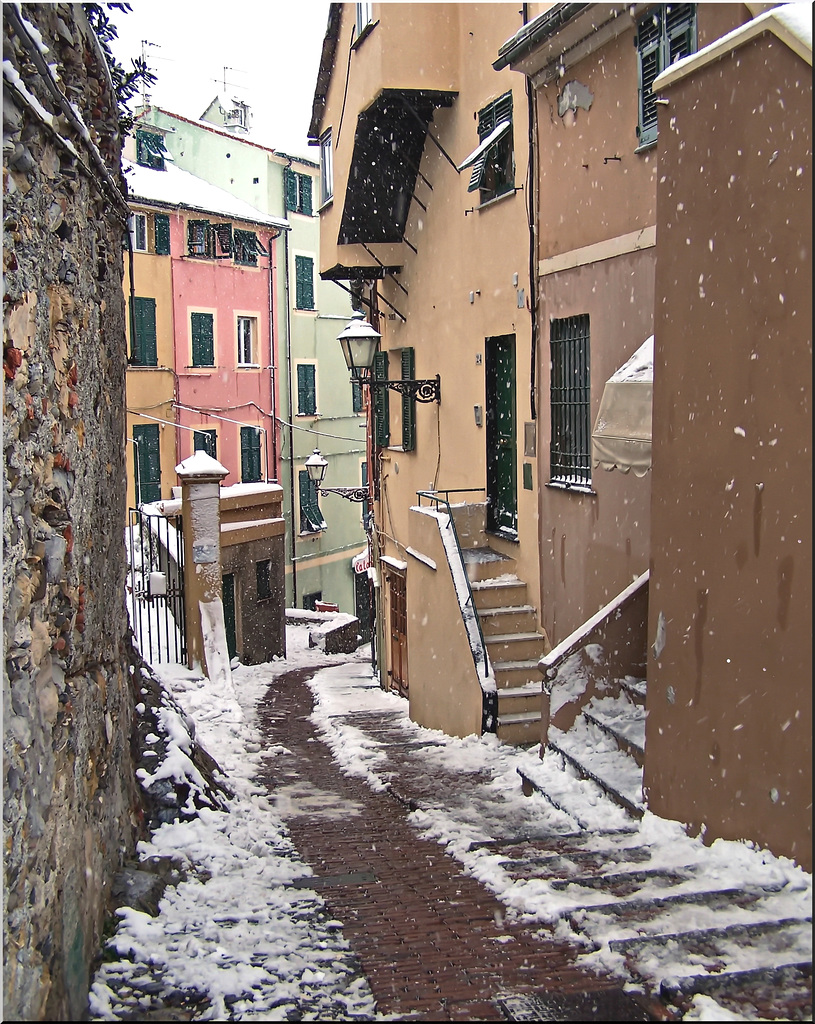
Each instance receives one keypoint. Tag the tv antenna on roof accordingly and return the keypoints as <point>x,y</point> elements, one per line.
<point>145,95</point>
<point>224,83</point>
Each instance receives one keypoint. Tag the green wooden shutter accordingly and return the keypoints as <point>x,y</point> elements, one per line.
<point>304,282</point>
<point>199,238</point>
<point>203,349</point>
<point>408,404</point>
<point>290,188</point>
<point>246,247</point>
<point>382,426</point>
<point>250,455</point>
<point>311,518</point>
<point>356,396</point>
<point>305,204</point>
<point>162,223</point>
<point>306,389</point>
<point>205,441</point>
<point>143,345</point>
<point>147,463</point>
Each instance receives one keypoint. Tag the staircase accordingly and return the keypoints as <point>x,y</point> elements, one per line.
<point>513,642</point>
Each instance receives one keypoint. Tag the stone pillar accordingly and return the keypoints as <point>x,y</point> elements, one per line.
<point>201,477</point>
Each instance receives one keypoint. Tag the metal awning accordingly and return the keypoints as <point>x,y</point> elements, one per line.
<point>621,438</point>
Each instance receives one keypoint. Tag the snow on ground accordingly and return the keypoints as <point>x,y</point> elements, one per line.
<point>237,931</point>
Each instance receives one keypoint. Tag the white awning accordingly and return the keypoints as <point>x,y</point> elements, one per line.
<point>362,562</point>
<point>621,438</point>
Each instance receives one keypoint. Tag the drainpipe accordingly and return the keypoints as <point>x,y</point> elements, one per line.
<point>290,416</point>
<point>532,199</point>
<point>272,376</point>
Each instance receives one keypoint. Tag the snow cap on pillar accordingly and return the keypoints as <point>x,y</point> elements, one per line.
<point>202,467</point>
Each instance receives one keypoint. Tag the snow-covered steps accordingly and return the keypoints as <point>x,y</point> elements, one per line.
<point>481,563</point>
<point>763,993</point>
<point>502,590</point>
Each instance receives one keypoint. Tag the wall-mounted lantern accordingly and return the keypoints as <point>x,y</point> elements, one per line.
<point>358,341</point>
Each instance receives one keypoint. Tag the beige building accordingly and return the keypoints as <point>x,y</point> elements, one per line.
<point>426,218</point>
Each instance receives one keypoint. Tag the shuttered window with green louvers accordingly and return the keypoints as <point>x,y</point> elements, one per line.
<point>162,226</point>
<point>250,455</point>
<point>356,396</point>
<point>203,339</point>
<point>147,462</point>
<point>493,171</point>
<point>304,282</point>
<point>298,192</point>
<point>306,389</point>
<point>665,35</point>
<point>143,327</point>
<point>408,403</point>
<point>311,518</point>
<point>381,403</point>
<point>206,441</point>
<point>200,238</point>
<point>246,248</point>
<point>150,150</point>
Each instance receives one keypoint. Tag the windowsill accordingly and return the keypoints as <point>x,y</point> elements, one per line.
<point>510,536</point>
<point>248,366</point>
<point>310,533</point>
<point>646,146</point>
<point>363,35</point>
<point>326,204</point>
<point>561,485</point>
<point>497,199</point>
<point>202,371</point>
<point>306,415</point>
<point>311,309</point>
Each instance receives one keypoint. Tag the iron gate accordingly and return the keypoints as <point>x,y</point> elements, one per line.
<point>155,552</point>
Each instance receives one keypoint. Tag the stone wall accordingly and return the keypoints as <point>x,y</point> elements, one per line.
<point>70,804</point>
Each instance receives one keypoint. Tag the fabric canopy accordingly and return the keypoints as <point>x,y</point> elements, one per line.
<point>621,438</point>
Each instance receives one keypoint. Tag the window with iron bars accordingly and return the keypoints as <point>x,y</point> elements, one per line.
<point>570,401</point>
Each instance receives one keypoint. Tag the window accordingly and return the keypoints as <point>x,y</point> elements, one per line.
<point>143,332</point>
<point>138,232</point>
<point>298,192</point>
<point>364,17</point>
<point>356,396</point>
<point>311,518</point>
<point>150,151</point>
<point>247,330</point>
<point>203,339</point>
<point>492,161</point>
<point>246,248</point>
<point>200,239</point>
<point>326,168</point>
<point>306,389</point>
<point>147,463</point>
<point>310,600</point>
<point>381,402</point>
<point>150,232</point>
<point>263,574</point>
<point>303,282</point>
<point>250,455</point>
<point>570,446</point>
<point>665,35</point>
<point>205,441</point>
<point>408,404</point>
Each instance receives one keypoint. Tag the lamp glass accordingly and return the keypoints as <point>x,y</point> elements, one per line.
<point>316,466</point>
<point>358,341</point>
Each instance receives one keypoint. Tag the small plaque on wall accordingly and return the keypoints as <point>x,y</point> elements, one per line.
<point>530,440</point>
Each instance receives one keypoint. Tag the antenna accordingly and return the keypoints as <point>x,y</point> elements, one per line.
<point>145,95</point>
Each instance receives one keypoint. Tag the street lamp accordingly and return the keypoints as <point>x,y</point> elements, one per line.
<point>358,341</point>
<point>316,466</point>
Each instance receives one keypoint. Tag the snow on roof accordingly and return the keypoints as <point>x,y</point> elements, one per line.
<point>174,187</point>
<point>791,23</point>
<point>640,366</point>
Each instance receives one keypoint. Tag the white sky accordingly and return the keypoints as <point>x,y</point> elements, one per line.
<point>236,932</point>
<point>271,52</point>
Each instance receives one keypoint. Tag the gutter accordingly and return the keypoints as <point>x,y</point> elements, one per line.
<point>535,32</point>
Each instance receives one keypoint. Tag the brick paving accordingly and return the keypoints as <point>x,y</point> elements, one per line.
<point>432,941</point>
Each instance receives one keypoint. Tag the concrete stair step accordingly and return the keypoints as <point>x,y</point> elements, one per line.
<point>763,993</point>
<point>516,673</point>
<point>621,720</point>
<point>521,729</point>
<point>514,646</point>
<point>624,883</point>
<point>615,772</point>
<point>519,700</point>
<point>507,619</point>
<point>635,689</point>
<point>501,590</point>
<point>483,563</point>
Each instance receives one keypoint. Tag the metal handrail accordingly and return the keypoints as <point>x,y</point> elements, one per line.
<point>435,497</point>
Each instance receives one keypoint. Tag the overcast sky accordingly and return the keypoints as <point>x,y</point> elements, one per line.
<point>271,53</point>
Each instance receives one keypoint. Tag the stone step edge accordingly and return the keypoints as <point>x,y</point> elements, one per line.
<point>694,984</point>
<point>519,718</point>
<point>619,798</point>
<point>509,637</point>
<point>530,690</point>
<point>624,743</point>
<point>741,931</point>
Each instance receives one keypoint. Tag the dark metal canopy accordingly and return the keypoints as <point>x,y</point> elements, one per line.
<point>388,145</point>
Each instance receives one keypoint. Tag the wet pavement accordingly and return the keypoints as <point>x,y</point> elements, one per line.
<point>433,942</point>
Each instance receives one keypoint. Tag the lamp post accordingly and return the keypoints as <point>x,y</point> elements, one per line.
<point>316,466</point>
<point>358,342</point>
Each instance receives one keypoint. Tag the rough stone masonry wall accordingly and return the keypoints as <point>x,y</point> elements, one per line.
<point>70,806</point>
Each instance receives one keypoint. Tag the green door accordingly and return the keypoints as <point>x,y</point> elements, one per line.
<point>228,591</point>
<point>147,463</point>
<point>502,495</point>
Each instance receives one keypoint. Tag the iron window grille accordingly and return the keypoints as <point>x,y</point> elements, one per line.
<point>206,441</point>
<point>570,395</point>
<point>665,35</point>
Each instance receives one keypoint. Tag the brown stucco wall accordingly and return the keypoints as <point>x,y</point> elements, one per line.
<point>729,683</point>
